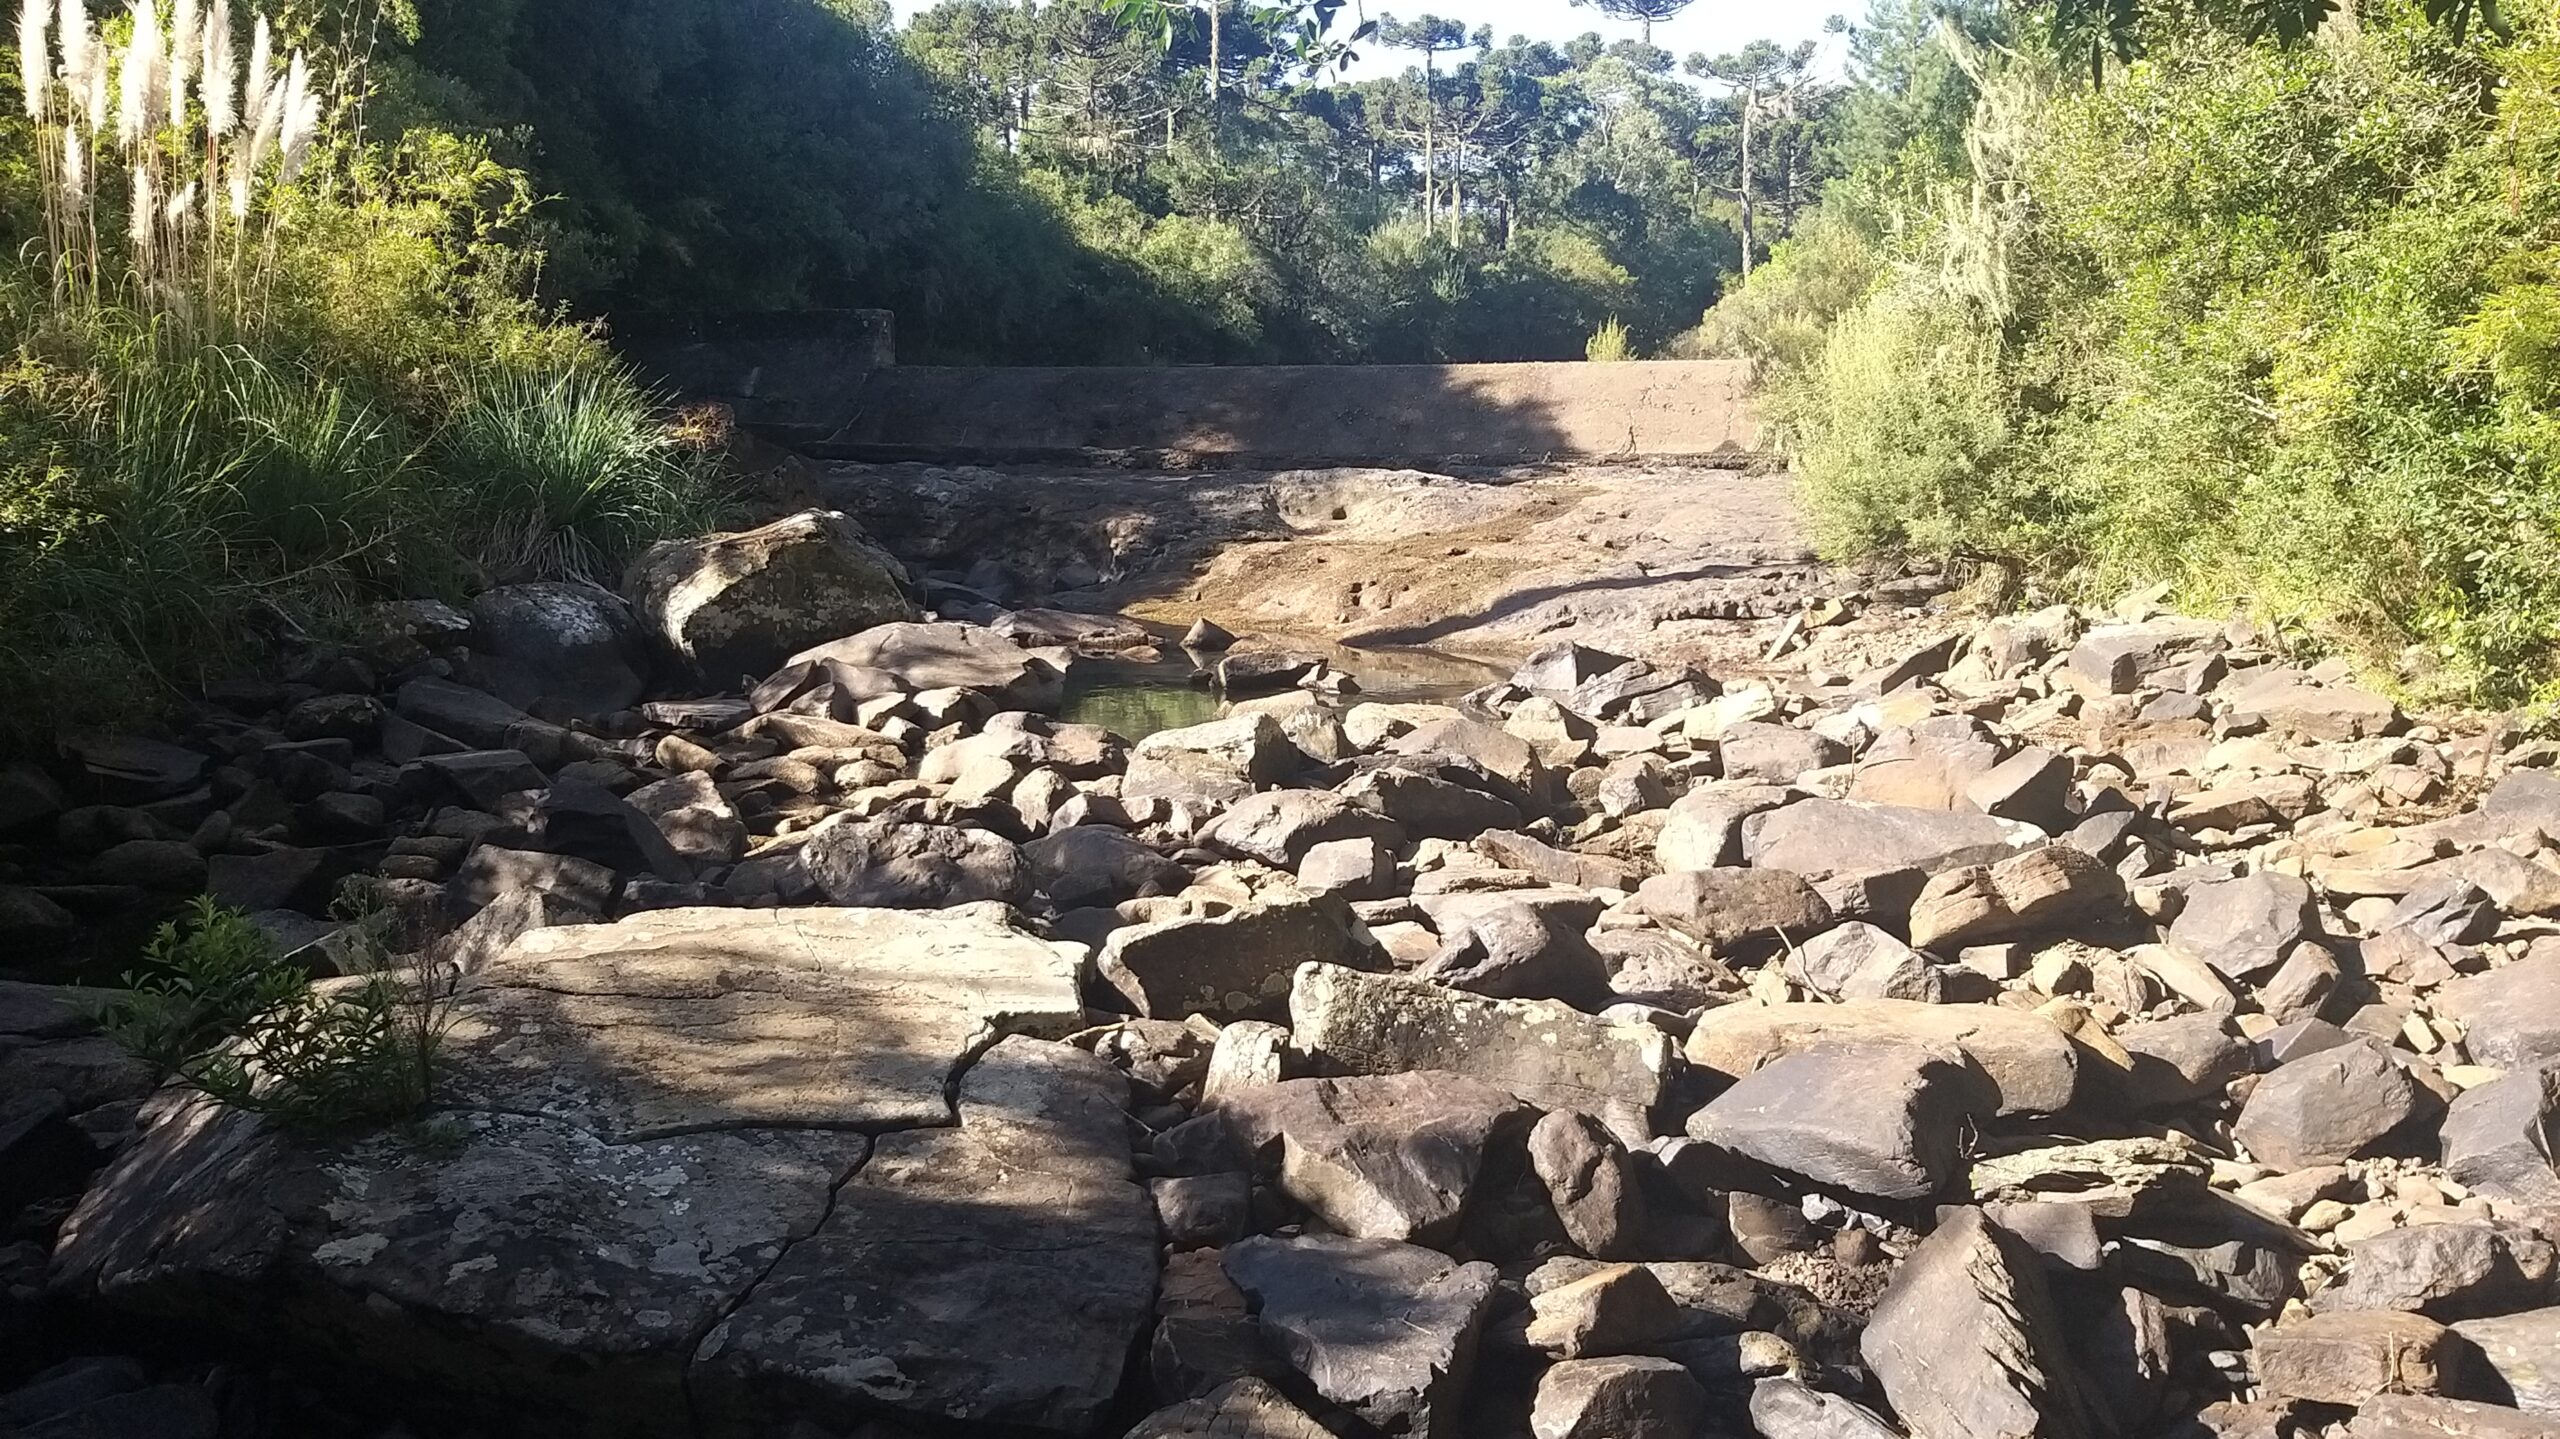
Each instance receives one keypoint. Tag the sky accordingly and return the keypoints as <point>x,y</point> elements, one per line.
<point>1714,26</point>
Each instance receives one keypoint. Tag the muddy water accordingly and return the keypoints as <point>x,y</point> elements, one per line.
<point>1138,698</point>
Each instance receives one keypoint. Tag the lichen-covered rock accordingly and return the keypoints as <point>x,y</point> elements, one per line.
<point>561,649</point>
<point>740,604</point>
<point>994,1274</point>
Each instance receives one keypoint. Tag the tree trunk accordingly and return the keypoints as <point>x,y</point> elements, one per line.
<point>1750,235</point>
<point>1430,148</point>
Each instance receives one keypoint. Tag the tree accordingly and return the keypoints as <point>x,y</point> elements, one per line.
<point>1767,89</point>
<point>1646,13</point>
<point>1433,36</point>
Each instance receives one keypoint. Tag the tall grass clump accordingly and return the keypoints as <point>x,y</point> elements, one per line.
<point>260,365</point>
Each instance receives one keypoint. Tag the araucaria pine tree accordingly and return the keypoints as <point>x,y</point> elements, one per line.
<point>199,147</point>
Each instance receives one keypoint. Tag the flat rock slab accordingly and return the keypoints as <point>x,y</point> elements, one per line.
<point>686,1020</point>
<point>2029,1060</point>
<point>522,1262</point>
<point>996,1274</point>
<point>1545,1053</point>
<point>1383,1329</point>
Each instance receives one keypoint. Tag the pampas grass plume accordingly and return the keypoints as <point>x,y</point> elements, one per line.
<point>221,72</point>
<point>35,64</point>
<point>79,50</point>
<point>184,32</point>
<point>146,210</point>
<point>140,102</point>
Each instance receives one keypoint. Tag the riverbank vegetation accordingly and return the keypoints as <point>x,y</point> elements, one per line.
<point>258,363</point>
<point>2278,321</point>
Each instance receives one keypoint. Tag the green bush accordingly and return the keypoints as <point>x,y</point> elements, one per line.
<point>217,1009</point>
<point>2276,324</point>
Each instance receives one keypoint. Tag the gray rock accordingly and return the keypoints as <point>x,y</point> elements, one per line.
<point>484,778</point>
<point>1774,753</point>
<point>2445,1271</point>
<point>1883,1120</point>
<point>1704,827</point>
<point>918,1295</point>
<point>1729,908</point>
<point>2041,890</point>
<point>2523,1356</point>
<point>1874,859</point>
<point>1096,865</point>
<point>2181,1060</point>
<point>2444,908</point>
<point>569,650</point>
<point>1237,965</point>
<point>1592,1184</point>
<point>168,866</point>
<point>2510,1016</point>
<point>1386,1330</point>
<point>1545,1053</point>
<point>1966,1342</point>
<point>2243,927</point>
<point>2116,659</point>
<point>1515,952</point>
<point>2412,1416</point>
<point>1224,759</point>
<point>2348,1356</point>
<point>2326,1107</point>
<point>739,604</point>
<point>1634,1398</point>
<point>1242,1409</point>
<point>1785,1408</point>
<point>2033,785</point>
<point>2286,701</point>
<point>1430,799</point>
<point>490,872</point>
<point>1280,827</point>
<point>858,1019</point>
<point>1616,1309</point>
<point>2303,986</point>
<point>949,656</point>
<point>2501,1138</point>
<point>696,819</point>
<point>1349,869</point>
<point>1390,1156</point>
<point>894,864</point>
<point>2032,1065</point>
<point>1513,850</point>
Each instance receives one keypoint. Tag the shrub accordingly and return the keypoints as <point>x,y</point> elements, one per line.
<point>217,1009</point>
<point>1608,344</point>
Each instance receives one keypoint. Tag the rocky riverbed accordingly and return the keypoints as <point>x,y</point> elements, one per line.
<point>2066,1024</point>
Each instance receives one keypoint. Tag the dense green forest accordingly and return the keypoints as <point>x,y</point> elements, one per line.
<point>1051,183</point>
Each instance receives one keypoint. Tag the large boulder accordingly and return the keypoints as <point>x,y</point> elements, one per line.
<point>2327,1107</point>
<point>1882,1120</point>
<point>2501,1138</point>
<point>1874,859</point>
<point>2510,1016</point>
<point>899,864</point>
<point>1386,1330</point>
<point>1729,908</point>
<point>626,1138</point>
<point>1279,826</point>
<point>565,650</point>
<point>2031,1064</point>
<point>1543,1052</point>
<point>737,605</point>
<point>1236,965</point>
<point>1390,1156</point>
<point>1967,1344</point>
<point>2244,927</point>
